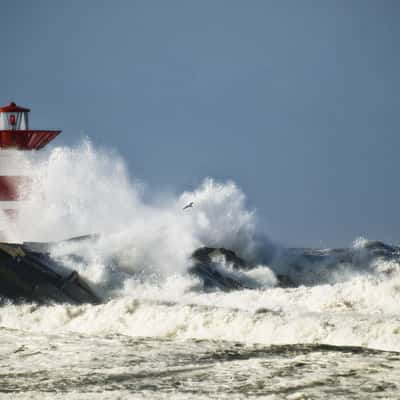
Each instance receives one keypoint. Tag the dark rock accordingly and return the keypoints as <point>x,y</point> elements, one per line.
<point>285,281</point>
<point>212,275</point>
<point>27,275</point>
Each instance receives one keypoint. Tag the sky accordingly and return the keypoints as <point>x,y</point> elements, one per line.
<point>298,102</point>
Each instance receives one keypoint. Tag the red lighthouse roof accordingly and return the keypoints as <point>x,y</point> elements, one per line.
<point>12,107</point>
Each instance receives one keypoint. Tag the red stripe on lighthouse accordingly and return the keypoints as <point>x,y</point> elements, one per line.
<point>14,188</point>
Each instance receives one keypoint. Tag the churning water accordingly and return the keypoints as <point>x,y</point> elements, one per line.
<point>334,333</point>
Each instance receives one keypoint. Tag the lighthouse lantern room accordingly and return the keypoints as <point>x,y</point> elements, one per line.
<point>13,117</point>
<point>15,132</point>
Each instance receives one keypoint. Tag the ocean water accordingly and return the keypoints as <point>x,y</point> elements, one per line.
<point>333,332</point>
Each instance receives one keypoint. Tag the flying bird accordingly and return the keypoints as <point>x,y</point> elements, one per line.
<point>188,205</point>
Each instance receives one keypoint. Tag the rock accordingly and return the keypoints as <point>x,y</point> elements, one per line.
<point>211,273</point>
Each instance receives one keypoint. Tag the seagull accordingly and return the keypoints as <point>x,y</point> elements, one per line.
<point>188,205</point>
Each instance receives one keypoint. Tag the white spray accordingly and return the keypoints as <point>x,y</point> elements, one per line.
<point>86,191</point>
<point>82,191</point>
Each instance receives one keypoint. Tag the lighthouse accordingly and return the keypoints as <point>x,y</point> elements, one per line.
<point>16,137</point>
<point>27,271</point>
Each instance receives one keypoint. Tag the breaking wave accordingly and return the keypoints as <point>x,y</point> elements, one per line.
<point>140,263</point>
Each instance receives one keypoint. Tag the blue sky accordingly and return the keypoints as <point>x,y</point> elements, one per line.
<point>296,101</point>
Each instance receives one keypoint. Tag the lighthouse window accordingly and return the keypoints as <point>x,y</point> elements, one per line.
<point>14,120</point>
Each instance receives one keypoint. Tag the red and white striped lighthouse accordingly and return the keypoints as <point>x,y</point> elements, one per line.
<point>16,137</point>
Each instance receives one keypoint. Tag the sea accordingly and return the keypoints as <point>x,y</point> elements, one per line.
<point>316,324</point>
